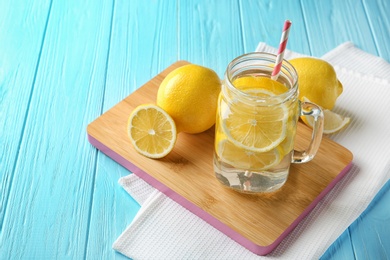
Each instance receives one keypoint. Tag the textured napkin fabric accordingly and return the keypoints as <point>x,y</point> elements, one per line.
<point>163,229</point>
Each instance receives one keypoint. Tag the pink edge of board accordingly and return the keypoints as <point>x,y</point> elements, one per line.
<point>259,250</point>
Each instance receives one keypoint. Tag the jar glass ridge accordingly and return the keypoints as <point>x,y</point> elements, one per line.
<point>250,63</point>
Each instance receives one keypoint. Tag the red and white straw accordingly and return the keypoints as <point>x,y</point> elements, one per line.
<point>282,48</point>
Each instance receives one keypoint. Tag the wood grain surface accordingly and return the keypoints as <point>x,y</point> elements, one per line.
<point>64,63</point>
<point>188,171</point>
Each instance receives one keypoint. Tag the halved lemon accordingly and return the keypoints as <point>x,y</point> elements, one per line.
<point>152,131</point>
<point>259,128</point>
<point>333,122</point>
<point>246,159</point>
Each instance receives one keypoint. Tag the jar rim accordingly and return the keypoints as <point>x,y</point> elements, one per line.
<point>263,59</point>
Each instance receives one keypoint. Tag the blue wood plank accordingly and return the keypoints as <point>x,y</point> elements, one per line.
<point>210,33</point>
<point>330,23</point>
<point>261,24</point>
<point>378,18</point>
<point>143,42</point>
<point>49,209</point>
<point>370,232</point>
<point>112,210</point>
<point>22,30</point>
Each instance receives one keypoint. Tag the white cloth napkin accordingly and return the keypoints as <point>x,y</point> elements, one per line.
<point>163,229</point>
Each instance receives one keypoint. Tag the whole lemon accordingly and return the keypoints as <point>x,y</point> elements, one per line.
<point>189,94</point>
<point>317,81</point>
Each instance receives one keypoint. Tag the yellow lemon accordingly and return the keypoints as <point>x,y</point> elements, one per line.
<point>151,131</point>
<point>317,81</point>
<point>189,95</point>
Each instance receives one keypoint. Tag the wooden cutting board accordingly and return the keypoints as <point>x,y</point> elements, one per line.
<point>260,221</point>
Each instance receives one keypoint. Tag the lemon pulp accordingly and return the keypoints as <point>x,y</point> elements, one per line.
<point>151,131</point>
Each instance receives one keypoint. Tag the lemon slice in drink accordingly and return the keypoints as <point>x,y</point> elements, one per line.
<point>152,131</point>
<point>246,159</point>
<point>251,82</point>
<point>259,128</point>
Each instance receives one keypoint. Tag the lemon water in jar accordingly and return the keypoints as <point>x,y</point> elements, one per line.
<point>256,125</point>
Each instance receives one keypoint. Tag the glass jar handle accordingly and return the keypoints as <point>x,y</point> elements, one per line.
<point>312,110</point>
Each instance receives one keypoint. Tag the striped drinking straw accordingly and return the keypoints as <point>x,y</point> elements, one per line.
<point>282,47</point>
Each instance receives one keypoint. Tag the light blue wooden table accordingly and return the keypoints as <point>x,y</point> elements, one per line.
<point>65,62</point>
